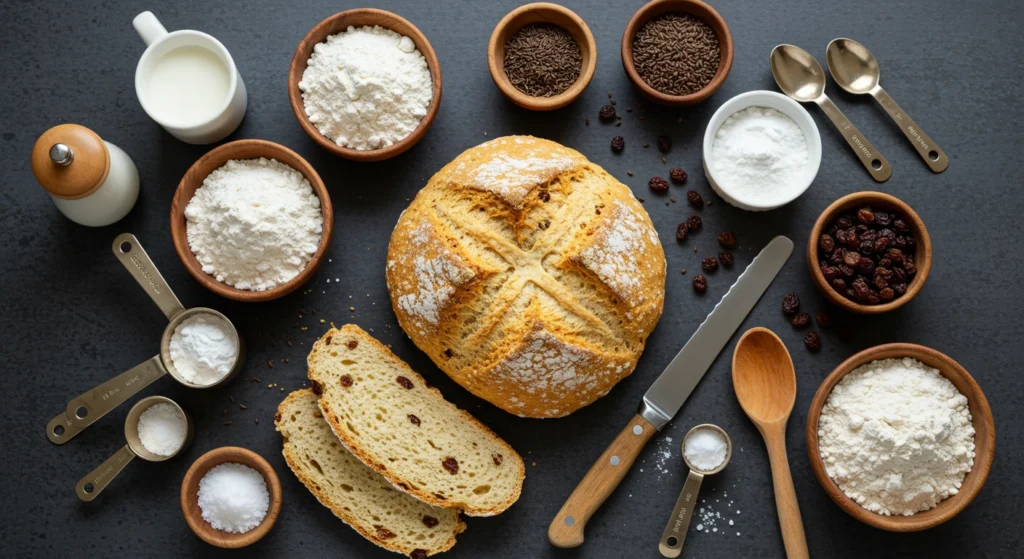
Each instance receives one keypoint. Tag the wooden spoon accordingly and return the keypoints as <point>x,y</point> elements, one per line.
<point>765,384</point>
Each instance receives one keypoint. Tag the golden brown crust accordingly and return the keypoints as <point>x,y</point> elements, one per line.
<point>367,458</point>
<point>528,274</point>
<point>367,532</point>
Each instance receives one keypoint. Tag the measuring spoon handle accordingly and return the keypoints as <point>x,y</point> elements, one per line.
<point>932,154</point>
<point>672,538</point>
<point>86,409</point>
<point>131,254</point>
<point>876,165</point>
<point>97,480</point>
<point>61,429</point>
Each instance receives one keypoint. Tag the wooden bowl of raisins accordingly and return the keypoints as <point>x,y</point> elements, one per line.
<point>869,253</point>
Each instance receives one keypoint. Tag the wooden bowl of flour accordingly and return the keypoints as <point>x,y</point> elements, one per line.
<point>981,419</point>
<point>193,179</point>
<point>338,23</point>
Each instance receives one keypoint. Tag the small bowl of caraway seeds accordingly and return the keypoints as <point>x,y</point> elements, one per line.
<point>542,56</point>
<point>677,52</point>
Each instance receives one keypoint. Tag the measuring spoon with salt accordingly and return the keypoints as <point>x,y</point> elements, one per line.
<point>87,408</point>
<point>97,480</point>
<point>707,449</point>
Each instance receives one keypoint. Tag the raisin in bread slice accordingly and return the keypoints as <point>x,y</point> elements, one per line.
<point>359,496</point>
<point>388,417</point>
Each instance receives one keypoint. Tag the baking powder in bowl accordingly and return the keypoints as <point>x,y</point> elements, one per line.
<point>896,436</point>
<point>366,88</point>
<point>254,223</point>
<point>760,156</point>
<point>233,498</point>
<point>203,349</point>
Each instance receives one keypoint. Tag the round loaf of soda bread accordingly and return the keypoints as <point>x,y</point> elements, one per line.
<point>530,275</point>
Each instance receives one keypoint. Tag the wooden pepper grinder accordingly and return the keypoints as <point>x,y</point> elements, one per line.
<point>91,181</point>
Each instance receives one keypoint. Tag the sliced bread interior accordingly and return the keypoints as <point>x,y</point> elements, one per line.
<point>355,493</point>
<point>387,416</point>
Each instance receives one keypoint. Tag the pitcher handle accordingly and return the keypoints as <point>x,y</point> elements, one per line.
<point>148,27</point>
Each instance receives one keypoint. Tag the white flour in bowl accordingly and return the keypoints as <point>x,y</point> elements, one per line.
<point>896,436</point>
<point>366,88</point>
<point>254,223</point>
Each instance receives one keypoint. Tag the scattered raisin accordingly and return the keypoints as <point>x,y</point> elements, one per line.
<point>865,215</point>
<point>430,521</point>
<point>328,339</point>
<point>352,344</point>
<point>824,320</point>
<point>383,533</point>
<point>664,144</point>
<point>414,420</point>
<point>607,113</point>
<point>346,380</point>
<point>677,175</point>
<point>700,283</point>
<point>790,303</point>
<point>618,144</point>
<point>497,458</point>
<point>826,242</point>
<point>694,223</point>
<point>727,239</point>
<point>709,264</point>
<point>406,383</point>
<point>693,197</point>
<point>418,554</point>
<point>318,388</point>
<point>726,258</point>
<point>813,341</point>
<point>681,232</point>
<point>801,320</point>
<point>658,184</point>
<point>451,464</point>
<point>544,195</point>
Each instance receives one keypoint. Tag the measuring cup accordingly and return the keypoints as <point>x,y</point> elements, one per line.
<point>97,480</point>
<point>86,409</point>
<point>672,538</point>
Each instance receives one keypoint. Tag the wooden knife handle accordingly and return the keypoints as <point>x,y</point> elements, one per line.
<point>566,529</point>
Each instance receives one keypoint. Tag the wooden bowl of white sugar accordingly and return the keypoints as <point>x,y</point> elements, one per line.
<point>336,113</point>
<point>892,410</point>
<point>242,288</point>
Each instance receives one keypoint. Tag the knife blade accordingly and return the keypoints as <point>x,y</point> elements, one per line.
<point>668,393</point>
<point>664,398</point>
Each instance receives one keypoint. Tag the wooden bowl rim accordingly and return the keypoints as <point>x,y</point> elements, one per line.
<point>190,494</point>
<point>510,24</point>
<point>254,149</point>
<point>698,9</point>
<point>922,254</point>
<point>320,33</point>
<point>984,439</point>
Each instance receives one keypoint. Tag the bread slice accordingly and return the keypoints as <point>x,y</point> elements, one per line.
<point>356,494</point>
<point>387,416</point>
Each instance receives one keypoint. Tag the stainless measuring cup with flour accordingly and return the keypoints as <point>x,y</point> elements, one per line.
<point>707,453</point>
<point>97,480</point>
<point>87,408</point>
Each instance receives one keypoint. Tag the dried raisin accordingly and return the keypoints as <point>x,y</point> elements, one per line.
<point>725,257</point>
<point>414,420</point>
<point>801,320</point>
<point>826,242</point>
<point>694,199</point>
<point>658,184</point>
<point>618,144</point>
<point>681,232</point>
<point>430,521</point>
<point>451,464</point>
<point>824,320</point>
<point>709,264</point>
<point>813,341</point>
<point>352,344</point>
<point>700,283</point>
<point>727,239</point>
<point>790,303</point>
<point>694,223</point>
<point>607,113</point>
<point>677,175</point>
<point>664,144</point>
<point>346,381</point>
<point>404,382</point>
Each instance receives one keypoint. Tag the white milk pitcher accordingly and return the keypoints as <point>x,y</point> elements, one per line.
<point>188,83</point>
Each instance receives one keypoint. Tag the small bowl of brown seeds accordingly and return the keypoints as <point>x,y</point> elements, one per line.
<point>677,52</point>
<point>542,56</point>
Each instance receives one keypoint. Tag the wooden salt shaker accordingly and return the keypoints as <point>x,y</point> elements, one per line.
<point>91,181</point>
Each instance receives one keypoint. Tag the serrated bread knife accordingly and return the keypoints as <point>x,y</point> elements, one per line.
<point>668,393</point>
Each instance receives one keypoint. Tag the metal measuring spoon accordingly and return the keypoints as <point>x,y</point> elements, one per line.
<point>97,480</point>
<point>801,77</point>
<point>86,409</point>
<point>672,538</point>
<point>855,69</point>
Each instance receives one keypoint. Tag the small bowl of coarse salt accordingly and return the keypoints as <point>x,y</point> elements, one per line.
<point>761,150</point>
<point>251,220</point>
<point>365,84</point>
<point>901,437</point>
<point>231,497</point>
